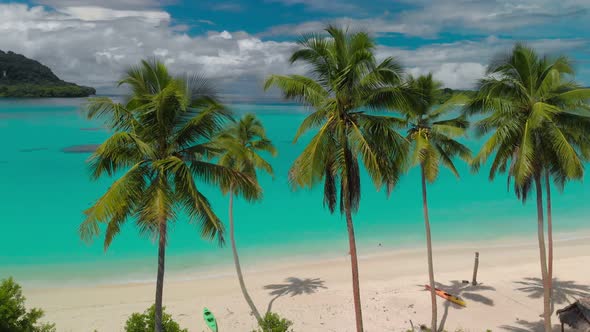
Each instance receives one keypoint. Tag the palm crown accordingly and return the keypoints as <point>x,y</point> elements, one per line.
<point>344,81</point>
<point>433,139</point>
<point>532,107</point>
<point>161,143</point>
<point>242,143</point>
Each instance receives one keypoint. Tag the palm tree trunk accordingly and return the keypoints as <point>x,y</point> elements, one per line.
<point>549,240</point>
<point>160,278</point>
<point>237,259</point>
<point>543,255</point>
<point>429,250</point>
<point>356,291</point>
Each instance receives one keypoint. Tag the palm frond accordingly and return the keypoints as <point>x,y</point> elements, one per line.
<point>119,151</point>
<point>299,88</point>
<point>116,204</point>
<point>194,203</point>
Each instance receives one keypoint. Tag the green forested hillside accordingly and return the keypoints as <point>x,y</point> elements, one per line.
<point>24,77</point>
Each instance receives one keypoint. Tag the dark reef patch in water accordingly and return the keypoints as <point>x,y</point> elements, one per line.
<point>85,148</point>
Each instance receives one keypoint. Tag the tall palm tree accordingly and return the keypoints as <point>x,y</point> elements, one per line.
<point>531,107</point>
<point>241,144</point>
<point>432,144</point>
<point>161,144</point>
<point>345,81</point>
<point>577,129</point>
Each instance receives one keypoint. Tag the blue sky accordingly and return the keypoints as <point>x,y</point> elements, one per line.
<point>238,43</point>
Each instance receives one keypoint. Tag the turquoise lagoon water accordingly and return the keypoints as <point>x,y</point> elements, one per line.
<point>44,191</point>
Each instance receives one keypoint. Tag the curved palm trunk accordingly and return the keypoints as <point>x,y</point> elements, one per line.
<point>429,250</point>
<point>543,255</point>
<point>160,278</point>
<point>549,241</point>
<point>356,291</point>
<point>237,259</point>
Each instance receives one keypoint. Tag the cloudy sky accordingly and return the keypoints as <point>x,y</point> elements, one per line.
<point>239,42</point>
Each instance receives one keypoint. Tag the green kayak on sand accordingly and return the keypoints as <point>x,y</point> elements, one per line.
<point>210,319</point>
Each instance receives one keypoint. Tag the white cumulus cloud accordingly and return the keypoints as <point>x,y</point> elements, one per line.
<point>94,48</point>
<point>93,13</point>
<point>427,18</point>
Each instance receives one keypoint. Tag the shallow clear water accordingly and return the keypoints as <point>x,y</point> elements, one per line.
<point>45,190</point>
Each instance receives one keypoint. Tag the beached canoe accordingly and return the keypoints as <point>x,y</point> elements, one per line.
<point>210,319</point>
<point>448,297</point>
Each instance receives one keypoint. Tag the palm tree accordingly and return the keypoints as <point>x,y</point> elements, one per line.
<point>433,143</point>
<point>531,109</point>
<point>577,129</point>
<point>241,144</point>
<point>161,142</point>
<point>345,82</point>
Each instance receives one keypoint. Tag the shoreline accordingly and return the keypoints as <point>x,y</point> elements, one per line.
<point>318,297</point>
<point>264,263</point>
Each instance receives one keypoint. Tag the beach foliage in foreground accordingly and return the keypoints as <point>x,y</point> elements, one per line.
<point>145,322</point>
<point>272,322</point>
<point>14,316</point>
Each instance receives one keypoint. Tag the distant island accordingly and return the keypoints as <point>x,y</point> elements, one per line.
<point>24,77</point>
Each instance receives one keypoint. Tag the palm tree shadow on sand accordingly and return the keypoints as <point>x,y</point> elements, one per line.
<point>465,291</point>
<point>526,326</point>
<point>293,286</point>
<point>563,292</point>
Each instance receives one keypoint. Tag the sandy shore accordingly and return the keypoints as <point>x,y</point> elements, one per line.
<point>317,295</point>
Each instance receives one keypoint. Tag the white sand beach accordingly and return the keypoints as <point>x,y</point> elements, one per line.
<point>316,295</point>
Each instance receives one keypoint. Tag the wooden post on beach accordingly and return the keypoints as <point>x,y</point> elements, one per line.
<point>475,266</point>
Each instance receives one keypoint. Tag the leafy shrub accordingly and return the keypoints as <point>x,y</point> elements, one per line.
<point>145,322</point>
<point>272,322</point>
<point>14,317</point>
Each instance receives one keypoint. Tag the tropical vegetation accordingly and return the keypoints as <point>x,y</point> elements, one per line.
<point>433,143</point>
<point>272,322</point>
<point>241,144</point>
<point>14,316</point>
<point>345,81</point>
<point>172,134</point>
<point>161,146</point>
<point>145,322</point>
<point>539,130</point>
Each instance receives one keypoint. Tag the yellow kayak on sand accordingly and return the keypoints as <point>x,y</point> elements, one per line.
<point>448,297</point>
